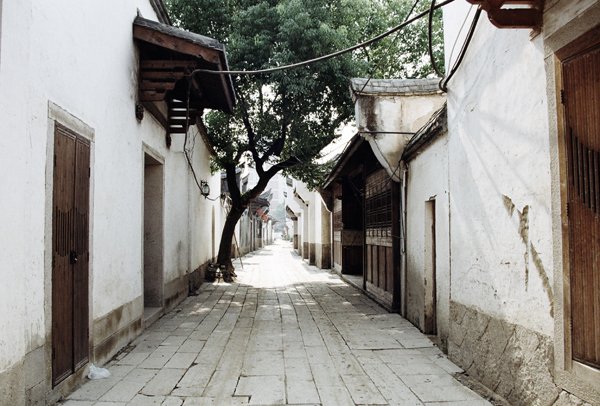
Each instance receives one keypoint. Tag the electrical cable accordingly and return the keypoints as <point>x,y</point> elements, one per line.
<point>430,40</point>
<point>185,142</point>
<point>328,56</point>
<point>462,26</point>
<point>444,82</point>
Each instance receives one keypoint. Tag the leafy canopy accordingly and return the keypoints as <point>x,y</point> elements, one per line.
<point>284,119</point>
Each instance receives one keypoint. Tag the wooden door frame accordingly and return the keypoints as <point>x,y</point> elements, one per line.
<point>571,375</point>
<point>56,114</point>
<point>154,154</point>
<point>430,268</point>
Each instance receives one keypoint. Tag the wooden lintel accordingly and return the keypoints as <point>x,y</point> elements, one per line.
<point>182,122</point>
<point>529,15</point>
<point>168,64</point>
<point>150,95</point>
<point>175,44</point>
<point>162,75</point>
<point>516,18</point>
<point>156,86</point>
<point>155,111</point>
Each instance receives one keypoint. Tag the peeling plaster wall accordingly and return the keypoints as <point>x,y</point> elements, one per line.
<point>500,212</point>
<point>61,52</point>
<point>427,180</point>
<point>499,177</point>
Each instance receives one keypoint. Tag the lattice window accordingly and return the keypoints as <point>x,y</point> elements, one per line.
<point>379,202</point>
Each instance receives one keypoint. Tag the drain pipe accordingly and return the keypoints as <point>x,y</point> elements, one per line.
<point>403,219</point>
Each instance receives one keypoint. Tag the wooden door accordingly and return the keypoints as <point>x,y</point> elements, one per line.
<point>429,270</point>
<point>70,253</point>
<point>379,241</point>
<point>581,99</point>
<point>352,234</point>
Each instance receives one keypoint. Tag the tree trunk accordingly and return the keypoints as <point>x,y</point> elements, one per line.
<point>224,256</point>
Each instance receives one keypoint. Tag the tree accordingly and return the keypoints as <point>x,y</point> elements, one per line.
<point>284,119</point>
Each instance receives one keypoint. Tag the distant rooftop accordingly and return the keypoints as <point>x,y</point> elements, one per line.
<point>395,86</point>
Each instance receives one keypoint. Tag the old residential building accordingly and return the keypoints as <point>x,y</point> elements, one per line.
<point>499,198</point>
<point>95,179</point>
<point>363,190</point>
<point>522,150</point>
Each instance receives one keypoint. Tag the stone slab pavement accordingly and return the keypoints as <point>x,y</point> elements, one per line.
<point>284,334</point>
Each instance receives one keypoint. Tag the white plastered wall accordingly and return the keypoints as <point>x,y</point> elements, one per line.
<point>499,175</point>
<point>61,52</point>
<point>393,113</point>
<point>428,180</point>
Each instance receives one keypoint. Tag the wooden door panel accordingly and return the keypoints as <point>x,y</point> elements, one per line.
<point>581,81</point>
<point>62,240</point>
<point>381,268</point>
<point>81,248</point>
<point>70,254</point>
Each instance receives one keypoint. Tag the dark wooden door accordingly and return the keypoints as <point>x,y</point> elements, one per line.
<point>581,99</point>
<point>379,210</point>
<point>70,253</point>
<point>352,226</point>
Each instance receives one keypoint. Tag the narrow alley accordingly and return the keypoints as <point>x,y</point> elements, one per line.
<point>284,333</point>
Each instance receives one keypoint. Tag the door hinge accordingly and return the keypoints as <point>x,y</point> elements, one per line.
<point>567,210</point>
<point>562,96</point>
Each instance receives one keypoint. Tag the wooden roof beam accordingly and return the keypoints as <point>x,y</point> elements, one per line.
<point>529,15</point>
<point>174,44</point>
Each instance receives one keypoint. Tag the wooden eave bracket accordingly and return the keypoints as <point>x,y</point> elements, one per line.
<point>528,14</point>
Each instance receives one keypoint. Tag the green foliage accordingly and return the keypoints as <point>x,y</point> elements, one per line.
<point>403,54</point>
<point>285,118</point>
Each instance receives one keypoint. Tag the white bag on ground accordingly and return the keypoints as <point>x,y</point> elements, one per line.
<point>98,373</point>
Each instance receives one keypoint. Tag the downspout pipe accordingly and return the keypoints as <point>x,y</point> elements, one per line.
<point>403,219</point>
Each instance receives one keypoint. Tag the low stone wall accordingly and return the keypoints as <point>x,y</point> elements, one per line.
<point>12,390</point>
<point>513,361</point>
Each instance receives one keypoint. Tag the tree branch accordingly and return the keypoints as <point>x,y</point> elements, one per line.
<point>288,163</point>
<point>250,131</point>
<point>277,146</point>
<point>251,140</point>
<point>234,190</point>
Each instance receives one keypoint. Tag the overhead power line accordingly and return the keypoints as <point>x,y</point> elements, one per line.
<point>328,56</point>
<point>444,82</point>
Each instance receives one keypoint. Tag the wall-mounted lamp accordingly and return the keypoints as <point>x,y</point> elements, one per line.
<point>204,188</point>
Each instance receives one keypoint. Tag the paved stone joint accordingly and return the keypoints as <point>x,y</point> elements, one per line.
<point>284,333</point>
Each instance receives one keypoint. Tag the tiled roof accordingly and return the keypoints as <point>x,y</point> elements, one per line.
<point>395,86</point>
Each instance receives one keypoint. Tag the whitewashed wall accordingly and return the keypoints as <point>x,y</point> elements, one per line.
<point>406,113</point>
<point>82,58</point>
<point>427,179</point>
<point>499,169</point>
<point>502,302</point>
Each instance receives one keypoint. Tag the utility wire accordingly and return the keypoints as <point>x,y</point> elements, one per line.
<point>185,142</point>
<point>329,56</point>
<point>430,40</point>
<point>462,26</point>
<point>444,82</point>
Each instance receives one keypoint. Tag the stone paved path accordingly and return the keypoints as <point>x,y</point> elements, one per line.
<point>285,333</point>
